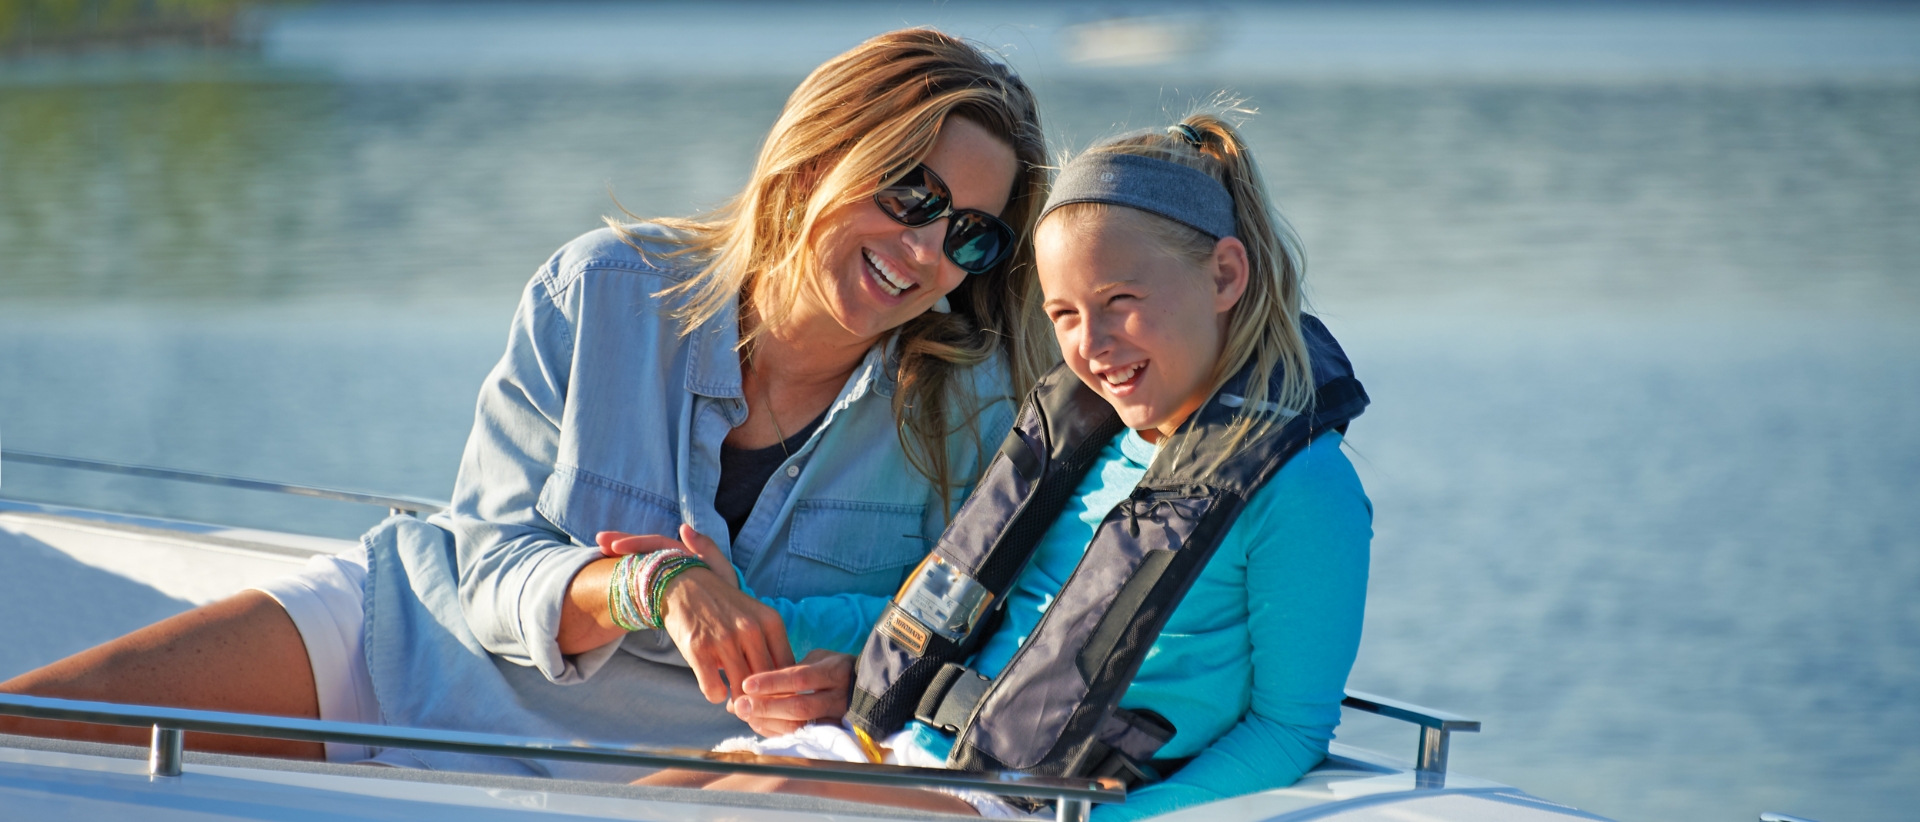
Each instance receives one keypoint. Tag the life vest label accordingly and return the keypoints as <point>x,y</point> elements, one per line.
<point>943,598</point>
<point>903,629</point>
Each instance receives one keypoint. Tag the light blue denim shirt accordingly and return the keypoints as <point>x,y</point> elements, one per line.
<point>601,416</point>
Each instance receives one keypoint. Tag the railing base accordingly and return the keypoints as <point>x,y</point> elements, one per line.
<point>169,751</point>
<point>1072,810</point>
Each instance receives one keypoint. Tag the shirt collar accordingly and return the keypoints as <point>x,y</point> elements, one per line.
<point>1136,448</point>
<point>713,359</point>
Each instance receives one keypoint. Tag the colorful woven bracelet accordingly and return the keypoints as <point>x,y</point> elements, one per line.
<point>651,590</point>
<point>643,590</point>
<point>637,590</point>
<point>670,569</point>
<point>640,582</point>
<point>619,595</point>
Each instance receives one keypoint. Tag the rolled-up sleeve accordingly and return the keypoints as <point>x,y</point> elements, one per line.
<point>515,565</point>
<point>1308,534</point>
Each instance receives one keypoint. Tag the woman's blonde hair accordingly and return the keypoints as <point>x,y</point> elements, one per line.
<point>856,123</point>
<point>1264,326</point>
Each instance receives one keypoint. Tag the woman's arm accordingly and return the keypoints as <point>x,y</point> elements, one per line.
<point>516,567</point>
<point>1307,534</point>
<point>529,593</point>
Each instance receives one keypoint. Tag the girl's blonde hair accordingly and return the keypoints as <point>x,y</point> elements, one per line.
<point>858,122</point>
<point>1264,326</point>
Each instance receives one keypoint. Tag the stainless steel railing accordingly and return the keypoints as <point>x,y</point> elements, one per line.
<point>169,724</point>
<point>1074,796</point>
<point>411,506</point>
<point>1430,762</point>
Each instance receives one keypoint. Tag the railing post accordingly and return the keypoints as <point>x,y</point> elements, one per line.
<point>1072,810</point>
<point>168,752</point>
<point>1430,762</point>
<point>1430,765</point>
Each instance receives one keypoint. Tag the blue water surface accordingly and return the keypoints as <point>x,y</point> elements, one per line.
<point>1633,289</point>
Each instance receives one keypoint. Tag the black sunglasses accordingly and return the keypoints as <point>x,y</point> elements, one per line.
<point>976,241</point>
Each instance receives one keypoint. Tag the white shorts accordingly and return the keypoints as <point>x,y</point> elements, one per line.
<point>327,601</point>
<point>836,743</point>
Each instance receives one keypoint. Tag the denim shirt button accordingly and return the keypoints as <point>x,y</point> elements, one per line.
<point>793,471</point>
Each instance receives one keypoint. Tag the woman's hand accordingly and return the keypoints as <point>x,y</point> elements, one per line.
<point>725,635</point>
<point>782,701</point>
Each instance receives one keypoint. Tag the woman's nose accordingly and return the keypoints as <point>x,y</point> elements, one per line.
<point>924,242</point>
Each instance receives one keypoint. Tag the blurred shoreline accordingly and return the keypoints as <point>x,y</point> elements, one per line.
<point>1377,42</point>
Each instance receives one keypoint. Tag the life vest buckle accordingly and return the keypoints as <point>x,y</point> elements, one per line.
<point>951,697</point>
<point>1130,738</point>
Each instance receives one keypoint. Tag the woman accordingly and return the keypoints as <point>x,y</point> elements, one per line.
<point>799,383</point>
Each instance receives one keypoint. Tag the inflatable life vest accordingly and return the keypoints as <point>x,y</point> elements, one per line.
<point>1054,710</point>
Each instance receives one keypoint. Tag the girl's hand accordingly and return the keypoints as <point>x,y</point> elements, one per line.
<point>620,543</point>
<point>783,701</point>
<point>725,635</point>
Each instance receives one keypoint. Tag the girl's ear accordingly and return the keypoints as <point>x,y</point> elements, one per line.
<point>1230,270</point>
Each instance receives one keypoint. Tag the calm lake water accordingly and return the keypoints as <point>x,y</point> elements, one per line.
<point>1640,331</point>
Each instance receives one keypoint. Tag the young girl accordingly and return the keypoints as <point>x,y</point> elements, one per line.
<point>1174,290</point>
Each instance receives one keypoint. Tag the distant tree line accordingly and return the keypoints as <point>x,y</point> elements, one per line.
<point>30,27</point>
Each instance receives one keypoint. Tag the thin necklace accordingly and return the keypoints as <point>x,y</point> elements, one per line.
<point>767,397</point>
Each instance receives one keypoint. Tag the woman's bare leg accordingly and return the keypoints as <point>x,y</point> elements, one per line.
<point>241,654</point>
<point>676,778</point>
<point>913,798</point>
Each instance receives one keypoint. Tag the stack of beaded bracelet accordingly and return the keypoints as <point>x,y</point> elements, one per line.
<point>637,593</point>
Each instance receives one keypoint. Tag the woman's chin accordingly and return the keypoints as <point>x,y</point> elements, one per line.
<point>867,314</point>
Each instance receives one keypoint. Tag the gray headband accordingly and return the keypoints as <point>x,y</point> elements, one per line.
<point>1184,195</point>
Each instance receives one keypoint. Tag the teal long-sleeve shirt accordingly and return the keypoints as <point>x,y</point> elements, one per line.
<point>1253,663</point>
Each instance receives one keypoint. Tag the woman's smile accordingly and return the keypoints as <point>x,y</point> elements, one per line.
<point>887,277</point>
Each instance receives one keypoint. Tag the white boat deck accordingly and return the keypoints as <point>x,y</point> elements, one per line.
<point>46,779</point>
<point>189,561</point>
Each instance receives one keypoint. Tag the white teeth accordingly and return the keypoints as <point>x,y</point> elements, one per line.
<point>1120,377</point>
<point>890,281</point>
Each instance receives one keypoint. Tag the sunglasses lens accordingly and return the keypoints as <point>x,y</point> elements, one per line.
<point>916,199</point>
<point>976,242</point>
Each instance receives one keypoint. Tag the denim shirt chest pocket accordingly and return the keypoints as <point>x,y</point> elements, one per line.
<point>849,547</point>
<point>583,504</point>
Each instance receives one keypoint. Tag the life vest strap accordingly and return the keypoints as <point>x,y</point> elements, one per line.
<point>951,697</point>
<point>1128,739</point>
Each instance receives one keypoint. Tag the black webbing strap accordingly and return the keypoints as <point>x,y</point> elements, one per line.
<point>951,697</point>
